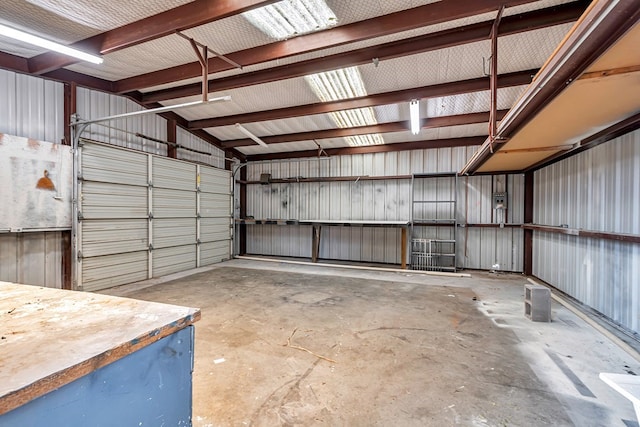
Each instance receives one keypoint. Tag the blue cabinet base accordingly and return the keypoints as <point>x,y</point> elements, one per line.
<point>150,387</point>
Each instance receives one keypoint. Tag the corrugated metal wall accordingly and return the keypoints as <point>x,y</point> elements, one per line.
<point>382,200</point>
<point>93,104</point>
<point>595,190</point>
<point>32,258</point>
<point>215,157</point>
<point>33,108</point>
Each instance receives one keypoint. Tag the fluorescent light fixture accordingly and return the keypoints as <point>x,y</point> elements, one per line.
<point>251,135</point>
<point>289,18</point>
<point>48,44</point>
<point>414,109</point>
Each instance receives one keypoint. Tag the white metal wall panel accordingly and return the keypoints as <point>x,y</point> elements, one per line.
<point>215,215</point>
<point>167,173</point>
<point>214,252</point>
<point>598,189</point>
<point>32,258</point>
<point>31,107</point>
<point>92,104</point>
<point>113,236</point>
<point>102,200</point>
<point>102,163</point>
<point>173,232</point>
<point>207,153</point>
<point>114,210</point>
<point>382,200</point>
<point>214,180</point>
<point>113,270</point>
<point>173,259</point>
<point>173,203</point>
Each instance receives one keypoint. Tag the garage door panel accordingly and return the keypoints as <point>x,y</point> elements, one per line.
<point>214,180</point>
<point>115,165</point>
<point>214,229</point>
<point>107,237</point>
<point>173,203</point>
<point>170,173</point>
<point>173,232</point>
<point>173,260</point>
<point>215,205</point>
<point>113,270</point>
<point>214,252</point>
<point>102,200</point>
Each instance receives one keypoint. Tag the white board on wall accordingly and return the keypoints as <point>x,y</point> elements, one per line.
<point>35,184</point>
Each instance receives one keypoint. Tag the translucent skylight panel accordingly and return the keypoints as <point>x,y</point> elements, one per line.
<point>360,140</point>
<point>289,18</point>
<point>333,85</point>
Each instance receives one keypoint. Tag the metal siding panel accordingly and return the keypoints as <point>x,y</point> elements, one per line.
<point>214,252</point>
<point>170,173</point>
<point>595,190</point>
<point>32,108</point>
<point>113,270</point>
<point>190,141</point>
<point>113,236</point>
<point>214,229</point>
<point>173,259</point>
<point>115,165</point>
<point>104,201</point>
<point>93,104</point>
<point>169,203</point>
<point>9,257</point>
<point>215,205</point>
<point>215,180</point>
<point>173,232</point>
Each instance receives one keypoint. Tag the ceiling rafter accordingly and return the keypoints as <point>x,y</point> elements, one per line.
<point>442,89</point>
<point>428,123</point>
<point>429,14</point>
<point>462,35</point>
<point>189,15</point>
<point>384,148</point>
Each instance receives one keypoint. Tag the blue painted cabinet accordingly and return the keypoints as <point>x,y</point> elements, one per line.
<point>149,387</point>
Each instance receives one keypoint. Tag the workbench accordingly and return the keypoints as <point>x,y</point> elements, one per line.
<point>317,225</point>
<point>75,358</point>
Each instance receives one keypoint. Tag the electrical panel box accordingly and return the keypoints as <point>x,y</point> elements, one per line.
<point>499,200</point>
<point>265,178</point>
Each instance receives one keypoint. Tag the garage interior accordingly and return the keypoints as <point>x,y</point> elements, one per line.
<point>409,212</point>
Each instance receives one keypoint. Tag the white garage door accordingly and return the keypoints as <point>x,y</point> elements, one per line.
<point>143,216</point>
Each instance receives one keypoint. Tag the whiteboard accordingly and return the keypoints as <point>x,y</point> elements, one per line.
<point>35,184</point>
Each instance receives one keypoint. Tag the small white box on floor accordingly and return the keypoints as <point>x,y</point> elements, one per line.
<point>537,303</point>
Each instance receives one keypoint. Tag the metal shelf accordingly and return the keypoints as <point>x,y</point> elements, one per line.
<point>428,250</point>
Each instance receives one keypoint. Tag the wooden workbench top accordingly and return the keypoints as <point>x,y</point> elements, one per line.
<point>51,337</point>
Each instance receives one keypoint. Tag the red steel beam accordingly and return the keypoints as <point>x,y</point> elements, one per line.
<point>430,14</point>
<point>189,15</point>
<point>431,122</point>
<point>384,148</point>
<point>454,37</point>
<point>443,89</point>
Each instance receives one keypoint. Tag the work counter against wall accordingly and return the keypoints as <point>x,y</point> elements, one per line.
<point>77,358</point>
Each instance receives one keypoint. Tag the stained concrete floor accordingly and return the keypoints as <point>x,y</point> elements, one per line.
<point>406,350</point>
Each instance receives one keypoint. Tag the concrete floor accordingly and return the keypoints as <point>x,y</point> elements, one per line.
<point>408,349</point>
